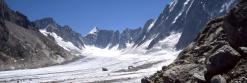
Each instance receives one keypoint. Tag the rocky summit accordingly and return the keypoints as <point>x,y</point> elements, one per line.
<point>217,55</point>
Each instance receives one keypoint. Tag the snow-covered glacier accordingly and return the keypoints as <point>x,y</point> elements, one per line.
<point>126,65</point>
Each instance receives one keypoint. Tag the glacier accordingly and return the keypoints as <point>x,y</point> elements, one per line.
<point>124,66</point>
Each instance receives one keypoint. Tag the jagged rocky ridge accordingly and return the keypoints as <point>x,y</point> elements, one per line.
<point>110,38</point>
<point>218,55</point>
<point>97,37</point>
<point>23,46</point>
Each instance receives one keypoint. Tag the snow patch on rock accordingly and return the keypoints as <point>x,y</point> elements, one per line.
<point>65,44</point>
<point>94,30</point>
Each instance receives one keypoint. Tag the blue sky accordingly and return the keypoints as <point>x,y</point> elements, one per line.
<point>83,15</point>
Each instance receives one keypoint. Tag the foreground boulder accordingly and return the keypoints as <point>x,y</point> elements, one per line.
<point>218,54</point>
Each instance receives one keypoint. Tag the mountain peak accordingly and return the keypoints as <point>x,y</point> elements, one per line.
<point>94,30</point>
<point>44,22</point>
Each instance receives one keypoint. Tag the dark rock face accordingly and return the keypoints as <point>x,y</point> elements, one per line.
<point>13,16</point>
<point>101,38</point>
<point>22,46</point>
<point>4,35</point>
<point>115,39</point>
<point>43,23</point>
<point>63,31</point>
<point>129,36</point>
<point>218,54</point>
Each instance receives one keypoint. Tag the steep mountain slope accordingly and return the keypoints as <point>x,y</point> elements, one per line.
<point>187,17</point>
<point>49,25</point>
<point>179,16</point>
<point>218,54</point>
<point>23,46</point>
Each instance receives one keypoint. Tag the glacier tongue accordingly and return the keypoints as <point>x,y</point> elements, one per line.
<point>126,65</point>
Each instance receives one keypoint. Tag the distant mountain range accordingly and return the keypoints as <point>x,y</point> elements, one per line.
<point>185,16</point>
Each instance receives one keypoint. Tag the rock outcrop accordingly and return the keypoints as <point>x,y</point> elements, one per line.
<point>217,55</point>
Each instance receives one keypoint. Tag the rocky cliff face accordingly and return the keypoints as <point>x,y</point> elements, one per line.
<point>218,55</point>
<point>23,46</point>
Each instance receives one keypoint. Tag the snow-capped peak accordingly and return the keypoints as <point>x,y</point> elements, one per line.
<point>94,30</point>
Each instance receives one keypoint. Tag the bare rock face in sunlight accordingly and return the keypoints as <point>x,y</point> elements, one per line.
<point>23,46</point>
<point>218,55</point>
